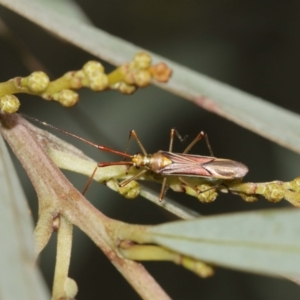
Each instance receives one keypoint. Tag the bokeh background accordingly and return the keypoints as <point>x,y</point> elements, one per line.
<point>252,45</point>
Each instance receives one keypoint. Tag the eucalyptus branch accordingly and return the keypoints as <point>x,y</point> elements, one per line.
<point>118,240</point>
<point>57,194</point>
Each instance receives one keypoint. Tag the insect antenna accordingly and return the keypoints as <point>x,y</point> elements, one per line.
<point>103,148</point>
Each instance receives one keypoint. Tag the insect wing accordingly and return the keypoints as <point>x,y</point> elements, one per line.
<point>226,169</point>
<point>186,165</point>
<point>203,166</point>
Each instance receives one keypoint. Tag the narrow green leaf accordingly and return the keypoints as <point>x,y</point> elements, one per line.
<point>19,276</point>
<point>266,242</point>
<point>278,124</point>
<point>67,8</point>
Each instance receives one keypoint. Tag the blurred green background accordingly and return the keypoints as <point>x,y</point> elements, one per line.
<point>252,45</point>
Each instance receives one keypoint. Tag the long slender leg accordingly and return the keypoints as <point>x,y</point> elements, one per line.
<point>136,176</point>
<point>188,184</point>
<point>181,138</point>
<point>114,163</point>
<point>208,145</point>
<point>195,188</point>
<point>164,186</point>
<point>87,185</point>
<point>197,139</point>
<point>133,134</point>
<point>163,190</point>
<point>173,131</point>
<point>100,165</point>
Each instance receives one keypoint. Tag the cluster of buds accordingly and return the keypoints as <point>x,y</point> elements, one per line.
<point>138,73</point>
<point>126,78</point>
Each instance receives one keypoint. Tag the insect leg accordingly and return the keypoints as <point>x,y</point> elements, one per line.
<point>188,184</point>
<point>196,189</point>
<point>125,182</point>
<point>133,134</point>
<point>163,190</point>
<point>89,181</point>
<point>101,165</point>
<point>197,139</point>
<point>173,132</point>
<point>164,186</point>
<point>201,191</point>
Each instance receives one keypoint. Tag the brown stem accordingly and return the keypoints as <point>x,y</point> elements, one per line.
<point>56,193</point>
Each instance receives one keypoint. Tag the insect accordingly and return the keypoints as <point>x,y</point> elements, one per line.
<point>168,163</point>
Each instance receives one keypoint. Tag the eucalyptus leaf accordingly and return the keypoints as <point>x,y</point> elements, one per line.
<point>251,112</point>
<point>19,276</point>
<point>67,8</point>
<point>265,242</point>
